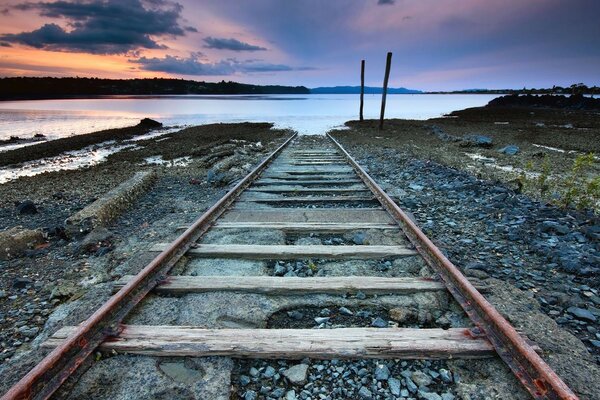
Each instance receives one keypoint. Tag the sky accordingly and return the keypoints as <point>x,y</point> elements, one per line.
<point>436,44</point>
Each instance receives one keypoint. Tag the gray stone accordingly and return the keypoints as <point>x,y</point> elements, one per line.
<point>269,372</point>
<point>345,311</point>
<point>510,150</point>
<point>447,396</point>
<point>365,393</point>
<point>581,313</point>
<point>180,373</point>
<point>244,380</point>
<point>291,395</point>
<point>379,323</point>
<point>394,385</point>
<point>421,378</point>
<point>250,395</point>
<point>297,374</point>
<point>445,375</point>
<point>297,315</point>
<point>477,140</point>
<point>359,238</point>
<point>382,372</point>
<point>429,395</point>
<point>322,320</point>
<point>411,385</point>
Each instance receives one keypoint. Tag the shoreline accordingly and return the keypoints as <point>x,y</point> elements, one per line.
<point>67,277</point>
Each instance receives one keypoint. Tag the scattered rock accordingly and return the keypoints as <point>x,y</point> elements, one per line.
<point>345,311</point>
<point>382,372</point>
<point>15,241</point>
<point>421,378</point>
<point>149,123</point>
<point>394,385</point>
<point>401,315</point>
<point>582,313</point>
<point>365,393</point>
<point>21,283</point>
<point>297,374</point>
<point>26,207</point>
<point>476,141</point>
<point>510,150</point>
<point>379,323</point>
<point>359,238</point>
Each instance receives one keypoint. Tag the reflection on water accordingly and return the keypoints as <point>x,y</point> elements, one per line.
<point>307,114</point>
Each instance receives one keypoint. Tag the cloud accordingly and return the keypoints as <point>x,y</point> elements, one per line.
<point>193,66</point>
<point>385,2</point>
<point>102,26</point>
<point>230,44</point>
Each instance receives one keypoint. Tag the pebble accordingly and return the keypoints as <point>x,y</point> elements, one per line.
<point>269,372</point>
<point>582,313</point>
<point>421,379</point>
<point>382,372</point>
<point>379,323</point>
<point>394,385</point>
<point>250,395</point>
<point>365,393</point>
<point>345,311</point>
<point>297,374</point>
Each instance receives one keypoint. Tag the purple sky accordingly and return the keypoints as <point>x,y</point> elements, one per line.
<point>437,44</point>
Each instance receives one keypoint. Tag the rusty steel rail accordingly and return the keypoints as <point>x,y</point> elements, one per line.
<point>529,368</point>
<point>47,376</point>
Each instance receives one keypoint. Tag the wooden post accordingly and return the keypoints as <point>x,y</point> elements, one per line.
<point>362,88</point>
<point>388,65</point>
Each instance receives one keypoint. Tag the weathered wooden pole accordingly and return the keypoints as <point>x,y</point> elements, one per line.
<point>362,88</point>
<point>388,65</point>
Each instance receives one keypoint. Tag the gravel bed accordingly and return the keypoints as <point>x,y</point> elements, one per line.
<point>360,317</point>
<point>317,267</point>
<point>343,379</point>
<point>490,230</point>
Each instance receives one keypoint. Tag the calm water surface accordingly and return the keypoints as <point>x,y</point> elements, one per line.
<point>307,114</point>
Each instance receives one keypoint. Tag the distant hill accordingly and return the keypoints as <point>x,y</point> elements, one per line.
<point>356,90</point>
<point>52,88</point>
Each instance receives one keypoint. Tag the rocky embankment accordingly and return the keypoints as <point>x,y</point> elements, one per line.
<point>60,275</point>
<point>575,102</point>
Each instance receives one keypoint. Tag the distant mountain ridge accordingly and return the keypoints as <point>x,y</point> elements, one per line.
<point>356,90</point>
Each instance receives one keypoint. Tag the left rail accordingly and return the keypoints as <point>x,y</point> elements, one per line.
<point>54,369</point>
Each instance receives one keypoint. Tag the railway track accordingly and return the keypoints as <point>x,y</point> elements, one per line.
<point>322,195</point>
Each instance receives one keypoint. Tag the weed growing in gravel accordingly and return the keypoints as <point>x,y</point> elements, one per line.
<point>579,187</point>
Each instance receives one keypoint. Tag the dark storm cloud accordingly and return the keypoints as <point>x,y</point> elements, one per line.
<point>102,26</point>
<point>383,2</point>
<point>193,66</point>
<point>230,44</point>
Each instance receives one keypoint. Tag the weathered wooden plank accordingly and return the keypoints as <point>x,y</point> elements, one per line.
<point>326,215</point>
<point>304,226</point>
<point>269,252</point>
<point>298,199</point>
<point>292,285</point>
<point>308,190</point>
<point>268,181</point>
<point>309,177</point>
<point>397,343</point>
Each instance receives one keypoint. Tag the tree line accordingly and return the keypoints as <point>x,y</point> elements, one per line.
<point>46,88</point>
